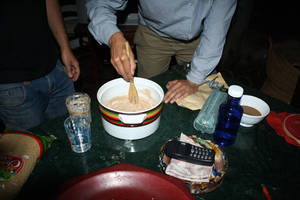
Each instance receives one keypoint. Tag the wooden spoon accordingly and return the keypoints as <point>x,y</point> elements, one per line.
<point>132,93</point>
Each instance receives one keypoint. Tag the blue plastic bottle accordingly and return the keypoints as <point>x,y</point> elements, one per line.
<point>229,117</point>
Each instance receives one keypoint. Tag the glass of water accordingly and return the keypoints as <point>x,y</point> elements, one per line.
<point>78,129</point>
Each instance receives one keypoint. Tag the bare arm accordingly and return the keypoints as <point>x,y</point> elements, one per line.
<point>56,24</point>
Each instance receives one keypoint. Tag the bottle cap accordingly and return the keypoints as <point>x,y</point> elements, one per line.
<point>235,91</point>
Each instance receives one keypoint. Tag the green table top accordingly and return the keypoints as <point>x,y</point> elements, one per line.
<point>259,155</point>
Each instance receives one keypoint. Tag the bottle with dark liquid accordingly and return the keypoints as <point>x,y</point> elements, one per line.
<point>229,117</point>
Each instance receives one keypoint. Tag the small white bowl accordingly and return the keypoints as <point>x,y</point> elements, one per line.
<point>258,104</point>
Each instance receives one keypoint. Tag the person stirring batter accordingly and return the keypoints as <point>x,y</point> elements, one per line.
<point>192,31</point>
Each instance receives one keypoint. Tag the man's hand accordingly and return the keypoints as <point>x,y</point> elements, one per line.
<point>124,66</point>
<point>70,63</point>
<point>179,89</point>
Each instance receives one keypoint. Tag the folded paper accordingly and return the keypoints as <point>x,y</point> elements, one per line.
<point>197,100</point>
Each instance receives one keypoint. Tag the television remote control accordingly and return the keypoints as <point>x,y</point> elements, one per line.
<point>189,153</point>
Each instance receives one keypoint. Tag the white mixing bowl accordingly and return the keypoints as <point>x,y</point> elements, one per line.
<point>130,125</point>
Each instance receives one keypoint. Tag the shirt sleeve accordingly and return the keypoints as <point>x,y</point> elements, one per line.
<point>212,40</point>
<point>103,19</point>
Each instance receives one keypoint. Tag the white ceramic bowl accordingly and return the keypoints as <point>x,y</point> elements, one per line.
<point>258,104</point>
<point>130,125</point>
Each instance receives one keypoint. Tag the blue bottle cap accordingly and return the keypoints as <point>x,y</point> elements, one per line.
<point>235,91</point>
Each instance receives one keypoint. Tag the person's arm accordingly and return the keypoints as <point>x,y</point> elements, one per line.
<point>103,19</point>
<point>103,27</point>
<point>209,51</point>
<point>56,25</point>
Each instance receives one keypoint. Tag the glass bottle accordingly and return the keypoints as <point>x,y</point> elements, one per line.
<point>229,117</point>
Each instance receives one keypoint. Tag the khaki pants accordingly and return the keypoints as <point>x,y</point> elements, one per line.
<point>154,52</point>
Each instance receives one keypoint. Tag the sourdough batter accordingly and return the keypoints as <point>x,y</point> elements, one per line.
<point>122,103</point>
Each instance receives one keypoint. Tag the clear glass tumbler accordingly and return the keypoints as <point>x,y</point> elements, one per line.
<point>78,129</point>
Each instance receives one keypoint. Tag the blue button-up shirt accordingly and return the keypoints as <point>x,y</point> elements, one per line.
<point>177,19</point>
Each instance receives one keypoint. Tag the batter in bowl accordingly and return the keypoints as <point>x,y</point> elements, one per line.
<point>121,103</point>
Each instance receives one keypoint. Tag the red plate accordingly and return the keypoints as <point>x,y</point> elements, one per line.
<point>125,181</point>
<point>291,126</point>
<point>286,125</point>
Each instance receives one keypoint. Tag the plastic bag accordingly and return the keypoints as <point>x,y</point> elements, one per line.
<point>207,118</point>
<point>19,153</point>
